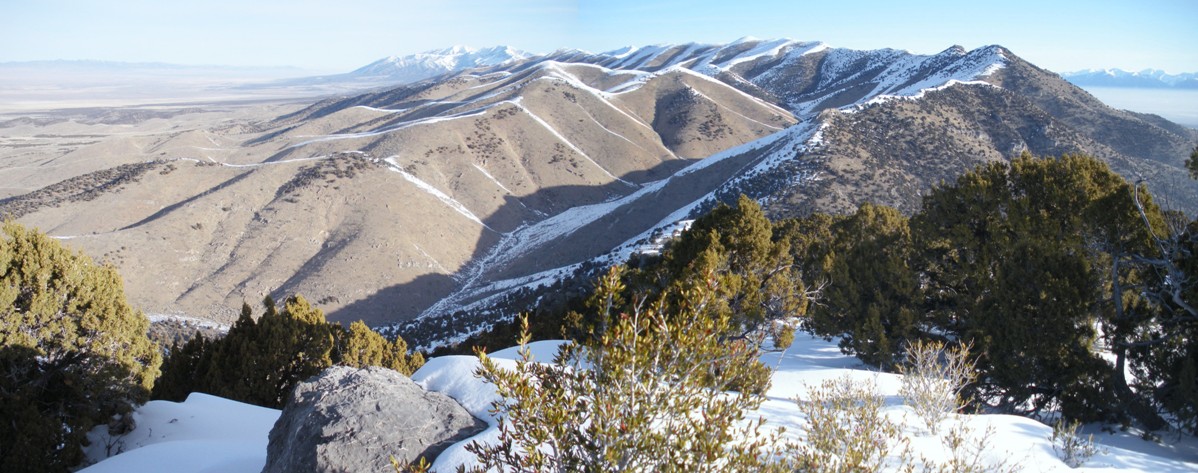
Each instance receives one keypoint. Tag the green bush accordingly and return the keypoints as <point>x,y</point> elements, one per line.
<point>260,361</point>
<point>870,299</point>
<point>73,353</point>
<point>649,394</point>
<point>1023,261</point>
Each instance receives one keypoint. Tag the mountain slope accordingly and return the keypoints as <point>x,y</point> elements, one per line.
<point>889,151</point>
<point>440,198</point>
<point>372,205</point>
<point>879,126</point>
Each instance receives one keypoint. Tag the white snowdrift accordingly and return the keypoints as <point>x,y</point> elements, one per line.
<point>204,434</point>
<point>210,434</point>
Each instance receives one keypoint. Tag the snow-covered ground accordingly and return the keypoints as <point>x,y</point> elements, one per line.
<point>210,434</point>
<point>204,434</point>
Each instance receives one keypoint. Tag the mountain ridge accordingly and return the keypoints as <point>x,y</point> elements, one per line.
<point>420,66</point>
<point>450,193</point>
<point>412,68</point>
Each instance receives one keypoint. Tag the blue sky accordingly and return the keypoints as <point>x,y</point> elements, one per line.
<point>337,36</point>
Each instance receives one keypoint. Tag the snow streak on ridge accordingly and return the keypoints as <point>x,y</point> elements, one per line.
<point>454,204</point>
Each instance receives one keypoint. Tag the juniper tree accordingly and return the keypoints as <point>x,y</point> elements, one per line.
<point>870,299</point>
<point>185,364</point>
<point>360,347</point>
<point>73,353</point>
<point>1156,334</point>
<point>758,284</point>
<point>260,361</point>
<point>1016,260</point>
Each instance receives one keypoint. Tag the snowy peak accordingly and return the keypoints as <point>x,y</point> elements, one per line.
<point>420,66</point>
<point>1145,79</point>
<point>779,68</point>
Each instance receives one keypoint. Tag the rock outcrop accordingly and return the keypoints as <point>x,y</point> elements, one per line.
<point>348,419</point>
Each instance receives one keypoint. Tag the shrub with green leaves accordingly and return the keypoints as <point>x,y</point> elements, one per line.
<point>651,393</point>
<point>73,353</point>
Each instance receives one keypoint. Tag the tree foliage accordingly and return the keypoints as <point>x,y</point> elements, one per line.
<point>757,284</point>
<point>1157,331</point>
<point>1192,163</point>
<point>260,361</point>
<point>1038,264</point>
<point>73,353</point>
<point>361,347</point>
<point>1013,268</point>
<point>870,301</point>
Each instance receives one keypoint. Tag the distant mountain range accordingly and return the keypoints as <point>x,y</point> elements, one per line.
<point>438,199</point>
<point>101,71</point>
<point>1145,79</point>
<point>395,70</point>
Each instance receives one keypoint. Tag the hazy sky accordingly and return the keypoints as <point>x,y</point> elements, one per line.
<point>340,35</point>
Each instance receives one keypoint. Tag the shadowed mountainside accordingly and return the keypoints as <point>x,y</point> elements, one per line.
<point>440,197</point>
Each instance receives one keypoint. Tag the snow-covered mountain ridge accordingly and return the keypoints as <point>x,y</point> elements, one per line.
<point>406,69</point>
<point>808,78</point>
<point>465,189</point>
<point>1147,78</point>
<point>420,66</point>
<point>739,57</point>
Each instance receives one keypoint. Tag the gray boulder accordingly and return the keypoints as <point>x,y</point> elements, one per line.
<point>350,420</point>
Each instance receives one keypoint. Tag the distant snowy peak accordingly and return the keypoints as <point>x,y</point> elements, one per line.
<point>1145,79</point>
<point>745,61</point>
<point>420,66</point>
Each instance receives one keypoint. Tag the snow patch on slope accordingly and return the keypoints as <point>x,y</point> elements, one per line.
<point>529,238</point>
<point>443,197</point>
